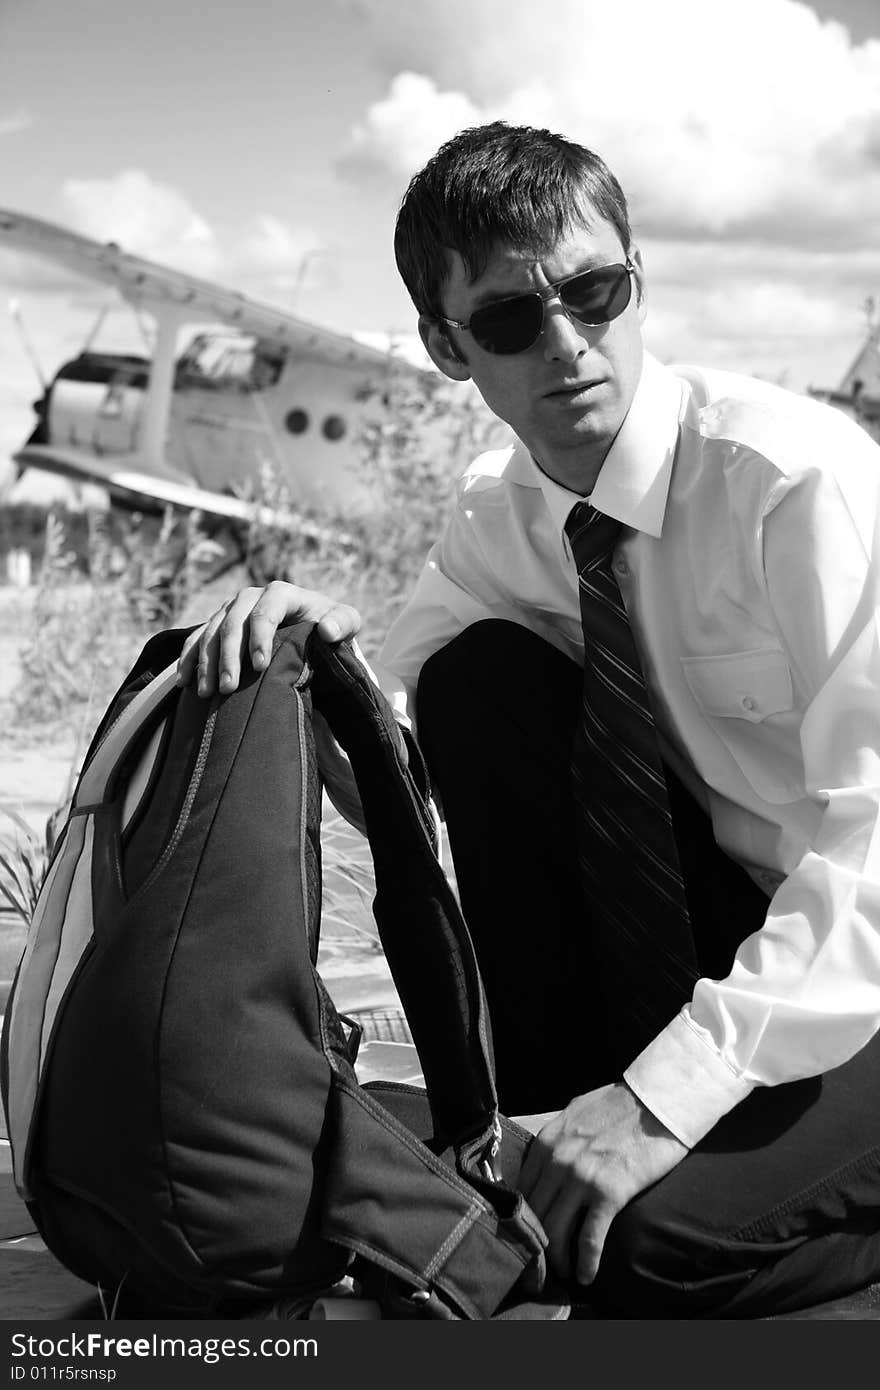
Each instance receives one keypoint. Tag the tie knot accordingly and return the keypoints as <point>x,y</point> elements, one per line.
<point>591,534</point>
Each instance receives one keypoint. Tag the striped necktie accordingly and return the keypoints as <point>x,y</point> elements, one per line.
<point>629,862</point>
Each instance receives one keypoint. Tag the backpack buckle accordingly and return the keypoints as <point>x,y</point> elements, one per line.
<point>355,1035</point>
<point>488,1164</point>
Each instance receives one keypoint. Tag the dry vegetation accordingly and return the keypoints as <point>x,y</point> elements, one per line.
<point>89,613</point>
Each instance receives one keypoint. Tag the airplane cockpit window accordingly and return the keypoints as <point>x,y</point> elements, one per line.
<point>266,370</point>
<point>229,362</point>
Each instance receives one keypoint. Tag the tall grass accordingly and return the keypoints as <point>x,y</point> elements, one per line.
<point>85,629</point>
<point>24,867</point>
<point>141,576</point>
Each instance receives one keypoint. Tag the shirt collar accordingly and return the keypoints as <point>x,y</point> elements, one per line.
<point>633,483</point>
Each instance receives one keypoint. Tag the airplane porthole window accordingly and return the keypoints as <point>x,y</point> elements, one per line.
<point>334,427</point>
<point>296,421</point>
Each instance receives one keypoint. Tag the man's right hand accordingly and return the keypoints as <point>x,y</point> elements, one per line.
<point>245,626</point>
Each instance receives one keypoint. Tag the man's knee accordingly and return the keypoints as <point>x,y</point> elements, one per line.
<point>635,1271</point>
<point>658,1262</point>
<point>493,668</point>
<point>477,655</point>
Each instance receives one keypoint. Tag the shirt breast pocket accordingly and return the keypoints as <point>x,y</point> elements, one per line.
<point>748,700</point>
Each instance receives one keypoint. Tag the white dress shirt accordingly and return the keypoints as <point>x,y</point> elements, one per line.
<point>748,564</point>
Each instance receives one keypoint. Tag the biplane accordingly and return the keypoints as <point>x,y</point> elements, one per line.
<point>252,388</point>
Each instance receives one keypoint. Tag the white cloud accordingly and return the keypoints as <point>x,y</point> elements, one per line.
<point>400,132</point>
<point>270,245</point>
<point>746,134</point>
<point>407,346</point>
<point>145,217</point>
<point>277,261</point>
<point>266,258</point>
<point>742,315</point>
<point>15,121</point>
<point>750,308</point>
<point>749,116</point>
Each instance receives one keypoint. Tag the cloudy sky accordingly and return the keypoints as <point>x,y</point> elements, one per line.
<point>266,145</point>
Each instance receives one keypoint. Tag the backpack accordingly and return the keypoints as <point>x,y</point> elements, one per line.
<point>180,1091</point>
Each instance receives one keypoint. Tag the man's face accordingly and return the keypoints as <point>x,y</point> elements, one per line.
<point>567,395</point>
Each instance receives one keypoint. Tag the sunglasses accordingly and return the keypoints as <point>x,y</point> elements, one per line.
<point>515,324</point>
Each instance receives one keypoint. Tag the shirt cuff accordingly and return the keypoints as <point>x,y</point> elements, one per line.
<point>683,1081</point>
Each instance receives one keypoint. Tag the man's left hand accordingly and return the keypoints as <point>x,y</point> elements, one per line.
<point>584,1166</point>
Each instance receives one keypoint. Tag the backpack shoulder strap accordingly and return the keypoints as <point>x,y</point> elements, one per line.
<point>423,933</point>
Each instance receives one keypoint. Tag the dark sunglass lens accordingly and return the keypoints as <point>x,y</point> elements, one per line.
<point>510,326</point>
<point>599,296</point>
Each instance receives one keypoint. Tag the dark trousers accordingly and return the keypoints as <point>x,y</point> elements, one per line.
<point>779,1206</point>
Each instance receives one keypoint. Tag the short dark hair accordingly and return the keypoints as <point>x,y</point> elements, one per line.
<point>498,185</point>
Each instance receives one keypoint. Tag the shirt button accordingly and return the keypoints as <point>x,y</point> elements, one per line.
<point>748,703</point>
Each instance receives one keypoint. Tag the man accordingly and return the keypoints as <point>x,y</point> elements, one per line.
<point>654,724</point>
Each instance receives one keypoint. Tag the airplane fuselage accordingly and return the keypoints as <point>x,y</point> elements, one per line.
<point>269,394</point>
<point>237,405</point>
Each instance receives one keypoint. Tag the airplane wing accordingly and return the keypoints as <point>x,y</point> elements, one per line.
<point>144,284</point>
<point>134,486</point>
<point>141,490</point>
